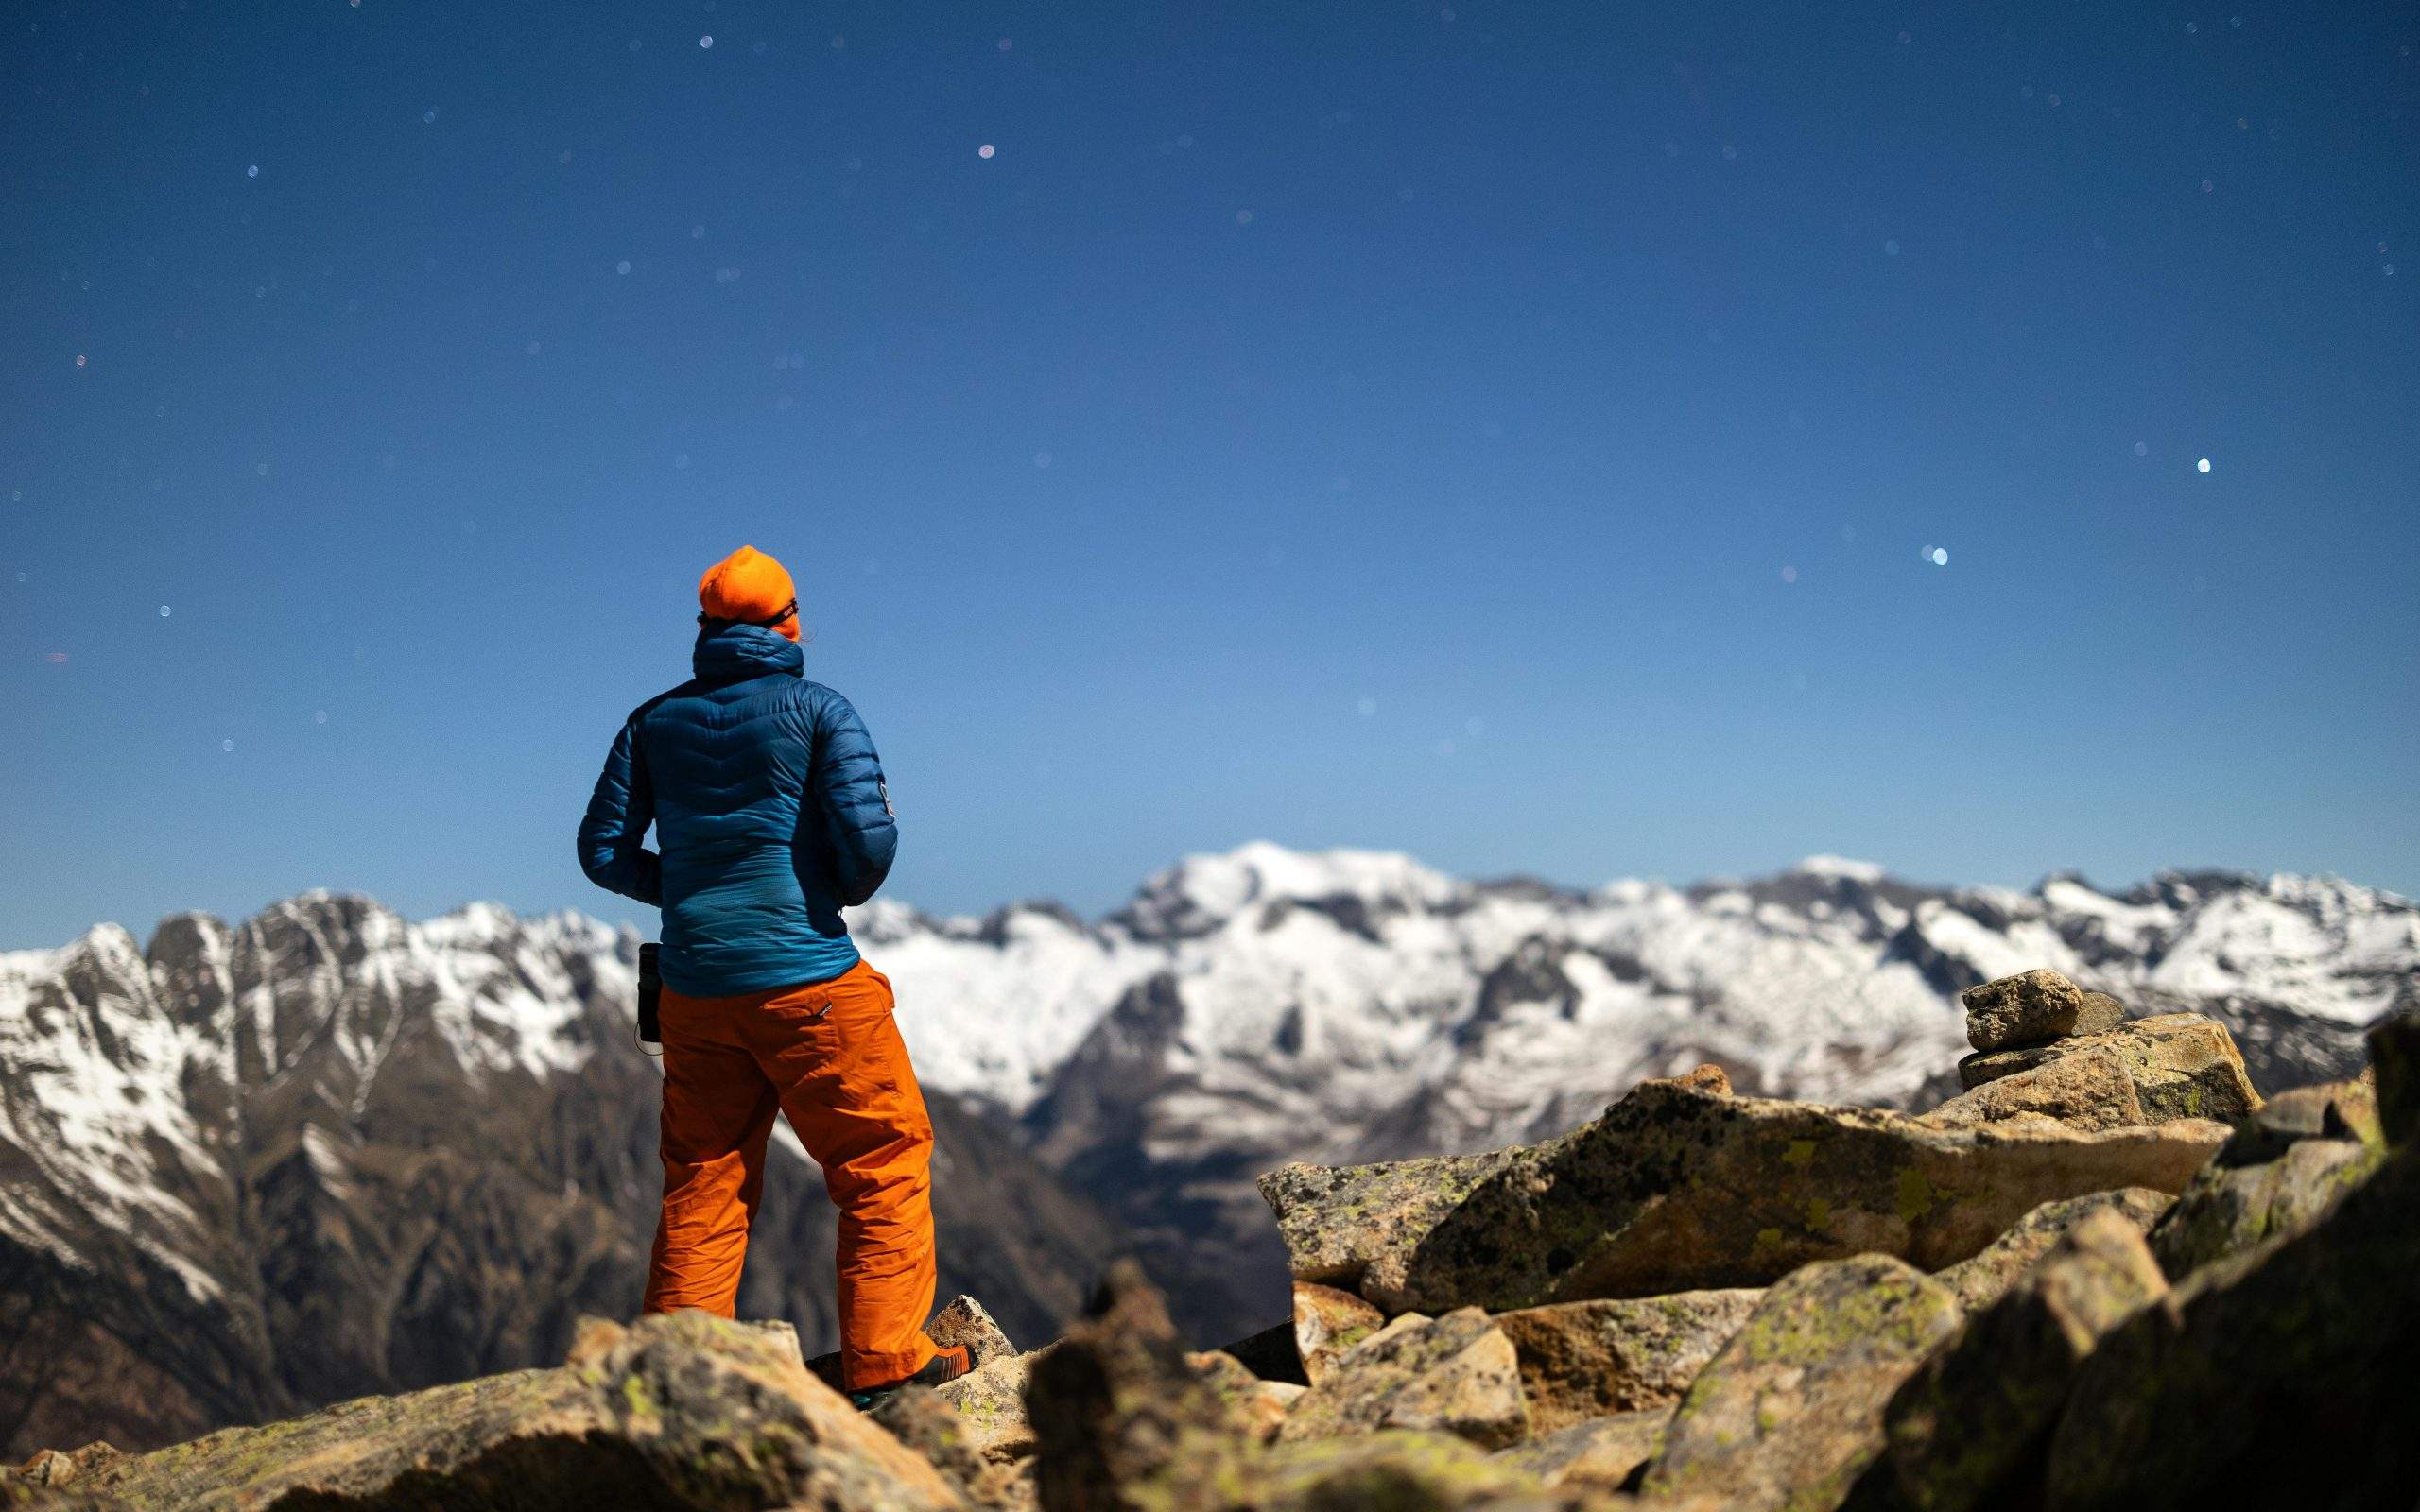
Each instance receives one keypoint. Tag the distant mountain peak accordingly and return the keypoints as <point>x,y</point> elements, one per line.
<point>1829,866</point>
<point>1203,890</point>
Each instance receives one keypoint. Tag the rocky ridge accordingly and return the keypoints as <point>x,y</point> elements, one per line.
<point>2054,1306</point>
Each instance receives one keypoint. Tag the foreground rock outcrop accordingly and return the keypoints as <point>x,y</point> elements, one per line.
<point>1343,1224</point>
<point>1674,1189</point>
<point>1970,1423</point>
<point>2395,1069</point>
<point>1791,1412</point>
<point>2263,1184</point>
<point>1129,1427</point>
<point>1981,1280</point>
<point>677,1412</point>
<point>1456,1374</point>
<point>2279,1377</point>
<point>1598,1454</point>
<point>1585,1360</point>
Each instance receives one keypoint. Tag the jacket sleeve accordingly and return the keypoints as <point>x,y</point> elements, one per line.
<point>618,813</point>
<point>856,802</point>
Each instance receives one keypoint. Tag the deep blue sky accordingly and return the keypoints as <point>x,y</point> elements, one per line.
<point>1506,432</point>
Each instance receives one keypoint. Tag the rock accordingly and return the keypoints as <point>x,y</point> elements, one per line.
<point>1790,1412</point>
<point>920,1420</point>
<point>1224,1373</point>
<point>2280,1377</point>
<point>2103,1009</point>
<point>1455,1374</point>
<point>1327,1322</point>
<point>1708,1077</point>
<point>1353,1227</point>
<point>990,1402</point>
<point>51,1466</point>
<point>1272,1354</point>
<point>1268,1406</point>
<point>1400,1324</point>
<point>2088,1090</point>
<point>1601,1454</point>
<point>1258,1406</point>
<point>1375,1472</point>
<point>723,1415</point>
<point>2183,1065</point>
<point>1009,1487</point>
<point>963,1321</point>
<point>2230,1207</point>
<point>2395,1064</point>
<point>677,1410</point>
<point>1126,1424</point>
<point>1967,1429</point>
<point>1584,1360</point>
<point>1980,1280</point>
<point>778,1332</point>
<point>1674,1189</point>
<point>1340,1222</point>
<point>18,1495</point>
<point>2331,1110</point>
<point>1114,1404</point>
<point>2032,1006</point>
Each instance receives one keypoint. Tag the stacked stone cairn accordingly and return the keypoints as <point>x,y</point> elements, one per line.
<point>2107,1275</point>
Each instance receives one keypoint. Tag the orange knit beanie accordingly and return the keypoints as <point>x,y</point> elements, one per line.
<point>748,584</point>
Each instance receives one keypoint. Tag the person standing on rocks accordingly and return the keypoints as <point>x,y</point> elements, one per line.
<point>772,815</point>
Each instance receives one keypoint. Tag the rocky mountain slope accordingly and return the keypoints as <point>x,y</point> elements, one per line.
<point>328,1151</point>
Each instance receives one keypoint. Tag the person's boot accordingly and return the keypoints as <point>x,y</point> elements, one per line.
<point>946,1365</point>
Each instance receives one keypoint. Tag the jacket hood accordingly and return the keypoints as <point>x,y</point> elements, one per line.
<point>733,653</point>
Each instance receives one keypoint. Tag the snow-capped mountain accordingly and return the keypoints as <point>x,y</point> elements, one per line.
<point>1361,980</point>
<point>253,1169</point>
<point>1265,1006</point>
<point>332,1151</point>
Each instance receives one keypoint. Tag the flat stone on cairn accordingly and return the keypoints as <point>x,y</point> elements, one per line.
<point>2035,1006</point>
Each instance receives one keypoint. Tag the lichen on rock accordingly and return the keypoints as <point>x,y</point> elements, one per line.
<point>1673,1190</point>
<point>1457,1374</point>
<point>1964,1429</point>
<point>675,1412</point>
<point>1586,1360</point>
<point>2089,1089</point>
<point>1596,1453</point>
<point>2183,1065</point>
<point>2278,1377</point>
<point>1790,1411</point>
<point>1981,1278</point>
<point>2232,1207</point>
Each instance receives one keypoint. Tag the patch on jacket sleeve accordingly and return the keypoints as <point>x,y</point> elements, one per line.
<point>884,788</point>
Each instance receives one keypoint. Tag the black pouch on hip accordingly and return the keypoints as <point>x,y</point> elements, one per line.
<point>650,995</point>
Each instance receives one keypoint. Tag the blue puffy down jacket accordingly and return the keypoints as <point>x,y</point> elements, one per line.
<point>769,809</point>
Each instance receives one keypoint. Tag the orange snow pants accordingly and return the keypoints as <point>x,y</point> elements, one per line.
<point>828,1057</point>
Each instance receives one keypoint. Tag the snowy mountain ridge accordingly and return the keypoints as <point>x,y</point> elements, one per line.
<point>1244,1008</point>
<point>327,1152</point>
<point>994,1006</point>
